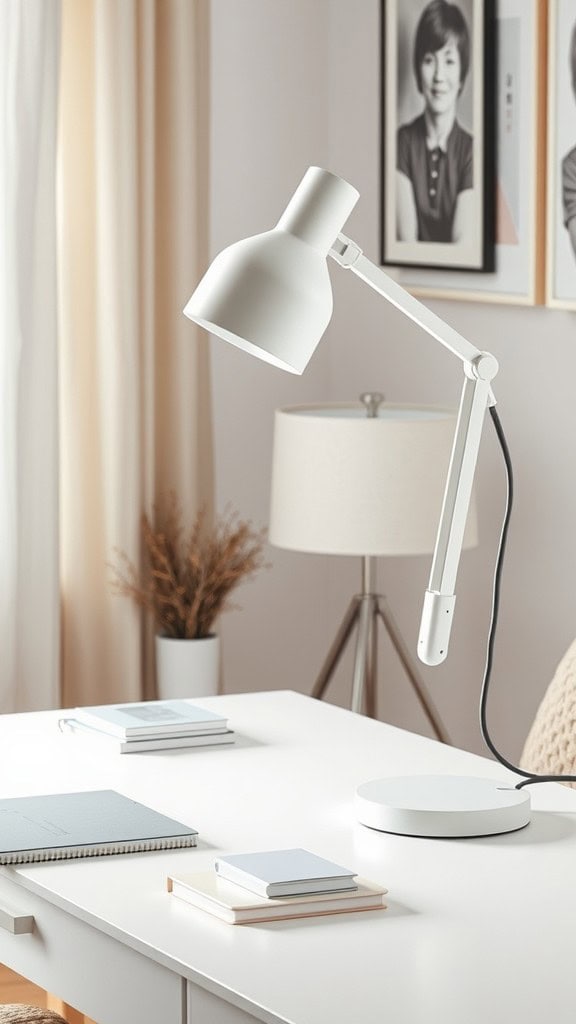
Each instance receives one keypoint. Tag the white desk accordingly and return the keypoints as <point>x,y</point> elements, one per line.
<point>478,931</point>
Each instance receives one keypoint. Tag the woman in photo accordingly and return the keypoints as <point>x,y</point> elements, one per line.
<point>434,153</point>
<point>569,164</point>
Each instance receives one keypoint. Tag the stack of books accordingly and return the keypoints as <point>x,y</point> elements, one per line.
<point>151,725</point>
<point>252,887</point>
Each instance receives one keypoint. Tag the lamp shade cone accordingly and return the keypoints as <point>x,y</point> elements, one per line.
<point>271,294</point>
<point>347,484</point>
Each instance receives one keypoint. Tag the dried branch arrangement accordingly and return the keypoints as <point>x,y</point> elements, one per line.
<point>188,575</point>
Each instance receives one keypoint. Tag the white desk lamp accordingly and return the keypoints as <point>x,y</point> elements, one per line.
<point>271,296</point>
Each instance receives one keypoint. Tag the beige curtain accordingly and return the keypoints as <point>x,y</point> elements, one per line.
<point>134,376</point>
<point>29,633</point>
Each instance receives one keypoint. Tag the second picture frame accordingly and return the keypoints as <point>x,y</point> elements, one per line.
<point>561,207</point>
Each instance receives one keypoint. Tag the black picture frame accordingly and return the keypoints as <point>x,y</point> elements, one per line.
<point>451,226</point>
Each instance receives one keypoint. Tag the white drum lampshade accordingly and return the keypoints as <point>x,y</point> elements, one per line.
<point>344,483</point>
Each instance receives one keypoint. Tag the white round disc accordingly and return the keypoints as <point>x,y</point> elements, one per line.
<point>442,806</point>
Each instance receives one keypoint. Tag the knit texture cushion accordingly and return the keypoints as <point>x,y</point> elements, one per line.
<point>19,1013</point>
<point>550,748</point>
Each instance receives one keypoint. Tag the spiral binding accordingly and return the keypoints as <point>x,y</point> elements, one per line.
<point>74,853</point>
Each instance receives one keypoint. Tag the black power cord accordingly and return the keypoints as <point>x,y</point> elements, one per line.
<point>529,778</point>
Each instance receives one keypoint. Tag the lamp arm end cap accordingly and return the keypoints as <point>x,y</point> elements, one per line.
<point>435,627</point>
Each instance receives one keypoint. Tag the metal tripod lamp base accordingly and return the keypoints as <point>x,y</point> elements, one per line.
<point>364,613</point>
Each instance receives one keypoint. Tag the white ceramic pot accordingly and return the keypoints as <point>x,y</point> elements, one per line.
<point>187,668</point>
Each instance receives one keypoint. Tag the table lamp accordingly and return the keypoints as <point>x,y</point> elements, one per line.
<point>271,296</point>
<point>363,479</point>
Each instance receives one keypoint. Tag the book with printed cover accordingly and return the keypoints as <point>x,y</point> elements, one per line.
<point>138,745</point>
<point>153,718</point>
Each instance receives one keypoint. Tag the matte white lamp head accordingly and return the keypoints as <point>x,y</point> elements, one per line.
<point>271,294</point>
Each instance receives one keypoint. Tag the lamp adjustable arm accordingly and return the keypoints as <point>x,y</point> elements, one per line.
<point>479,368</point>
<point>349,255</point>
<point>439,599</point>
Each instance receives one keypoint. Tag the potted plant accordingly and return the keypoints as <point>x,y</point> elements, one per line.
<point>185,583</point>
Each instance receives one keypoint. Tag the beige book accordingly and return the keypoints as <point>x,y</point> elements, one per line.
<point>236,905</point>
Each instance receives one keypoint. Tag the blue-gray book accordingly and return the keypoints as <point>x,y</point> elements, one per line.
<point>285,873</point>
<point>92,824</point>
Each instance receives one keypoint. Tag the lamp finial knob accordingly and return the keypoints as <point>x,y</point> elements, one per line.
<point>372,400</point>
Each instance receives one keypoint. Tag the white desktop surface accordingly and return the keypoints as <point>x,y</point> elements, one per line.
<point>478,930</point>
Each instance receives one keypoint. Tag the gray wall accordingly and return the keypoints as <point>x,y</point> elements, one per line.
<point>297,83</point>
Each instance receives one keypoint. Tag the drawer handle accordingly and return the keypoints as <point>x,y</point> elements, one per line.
<point>17,924</point>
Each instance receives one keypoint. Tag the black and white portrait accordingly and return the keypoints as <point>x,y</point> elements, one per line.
<point>561,262</point>
<point>568,166</point>
<point>436,208</point>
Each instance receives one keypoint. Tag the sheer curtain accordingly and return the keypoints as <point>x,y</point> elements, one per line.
<point>134,381</point>
<point>29,602</point>
<point>107,410</point>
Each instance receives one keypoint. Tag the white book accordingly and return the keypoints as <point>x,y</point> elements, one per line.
<point>285,872</point>
<point>159,718</point>
<point>231,903</point>
<point>64,825</point>
<point>142,746</point>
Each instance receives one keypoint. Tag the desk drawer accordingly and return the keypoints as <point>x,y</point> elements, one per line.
<point>205,1008</point>
<point>100,976</point>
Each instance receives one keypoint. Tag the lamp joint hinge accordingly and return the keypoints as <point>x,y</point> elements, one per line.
<point>345,251</point>
<point>483,367</point>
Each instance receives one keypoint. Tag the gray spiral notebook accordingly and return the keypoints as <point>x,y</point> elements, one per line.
<point>62,826</point>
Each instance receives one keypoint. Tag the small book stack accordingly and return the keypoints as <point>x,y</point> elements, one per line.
<point>252,887</point>
<point>151,725</point>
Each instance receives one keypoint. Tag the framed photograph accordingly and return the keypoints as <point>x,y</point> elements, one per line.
<point>561,205</point>
<point>437,134</point>
<point>518,275</point>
